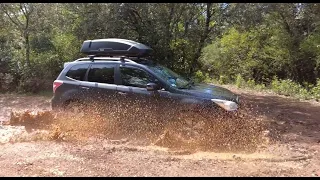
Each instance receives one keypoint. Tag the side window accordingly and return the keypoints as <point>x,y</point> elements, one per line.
<point>78,72</point>
<point>101,73</point>
<point>134,77</point>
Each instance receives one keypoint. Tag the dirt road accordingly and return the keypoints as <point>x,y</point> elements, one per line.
<point>293,150</point>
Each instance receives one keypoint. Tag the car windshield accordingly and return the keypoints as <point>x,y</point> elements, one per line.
<point>174,79</point>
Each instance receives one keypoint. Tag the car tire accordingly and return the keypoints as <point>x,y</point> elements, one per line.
<point>74,106</point>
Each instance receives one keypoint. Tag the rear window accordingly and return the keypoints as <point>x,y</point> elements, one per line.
<point>101,73</point>
<point>78,72</point>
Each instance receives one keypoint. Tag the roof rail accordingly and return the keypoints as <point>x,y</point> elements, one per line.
<point>92,58</point>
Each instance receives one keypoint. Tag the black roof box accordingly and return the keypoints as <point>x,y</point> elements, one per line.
<point>115,47</point>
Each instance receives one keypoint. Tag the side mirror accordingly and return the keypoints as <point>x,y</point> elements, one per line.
<point>152,87</point>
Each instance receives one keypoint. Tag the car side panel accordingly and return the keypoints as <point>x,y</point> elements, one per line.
<point>169,95</point>
<point>102,93</point>
<point>68,90</point>
<point>73,89</point>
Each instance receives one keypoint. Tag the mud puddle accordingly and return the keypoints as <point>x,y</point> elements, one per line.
<point>142,142</point>
<point>187,135</point>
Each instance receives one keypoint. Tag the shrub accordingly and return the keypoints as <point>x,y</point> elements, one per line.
<point>251,83</point>
<point>289,88</point>
<point>240,82</point>
<point>223,79</point>
<point>316,90</point>
<point>201,77</point>
<point>33,81</point>
<point>6,82</point>
<point>260,87</point>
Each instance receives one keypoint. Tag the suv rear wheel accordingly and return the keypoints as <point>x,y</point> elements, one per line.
<point>74,106</point>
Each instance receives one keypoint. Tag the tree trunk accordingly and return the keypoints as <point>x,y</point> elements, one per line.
<point>195,62</point>
<point>27,45</point>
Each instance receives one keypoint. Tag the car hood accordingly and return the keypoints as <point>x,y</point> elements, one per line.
<point>212,92</point>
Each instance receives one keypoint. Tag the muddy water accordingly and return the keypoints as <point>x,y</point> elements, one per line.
<point>205,130</point>
<point>239,141</point>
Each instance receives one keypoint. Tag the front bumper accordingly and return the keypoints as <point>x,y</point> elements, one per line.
<point>228,105</point>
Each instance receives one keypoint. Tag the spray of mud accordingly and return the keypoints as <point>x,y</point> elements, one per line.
<point>157,124</point>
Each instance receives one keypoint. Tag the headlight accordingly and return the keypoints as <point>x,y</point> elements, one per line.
<point>227,105</point>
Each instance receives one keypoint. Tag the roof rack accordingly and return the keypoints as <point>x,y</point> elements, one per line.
<point>92,58</point>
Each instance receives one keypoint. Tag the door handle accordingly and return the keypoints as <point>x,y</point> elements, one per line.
<point>82,87</point>
<point>122,93</point>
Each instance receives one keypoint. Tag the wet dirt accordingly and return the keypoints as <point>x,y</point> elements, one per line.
<point>280,137</point>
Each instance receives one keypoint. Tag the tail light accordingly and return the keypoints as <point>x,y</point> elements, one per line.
<point>56,84</point>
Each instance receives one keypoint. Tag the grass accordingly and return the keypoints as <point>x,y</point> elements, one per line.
<point>284,87</point>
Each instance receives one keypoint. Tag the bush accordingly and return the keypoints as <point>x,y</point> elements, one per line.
<point>304,94</point>
<point>260,87</point>
<point>285,87</point>
<point>316,90</point>
<point>223,79</point>
<point>201,77</point>
<point>33,81</point>
<point>289,88</point>
<point>6,82</point>
<point>240,82</point>
<point>32,85</point>
<point>251,83</point>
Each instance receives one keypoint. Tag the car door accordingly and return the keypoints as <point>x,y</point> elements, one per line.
<point>73,79</point>
<point>132,85</point>
<point>100,86</point>
<point>133,82</point>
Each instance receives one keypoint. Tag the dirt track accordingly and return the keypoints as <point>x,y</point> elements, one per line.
<point>294,149</point>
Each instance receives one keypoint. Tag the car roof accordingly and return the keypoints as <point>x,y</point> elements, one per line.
<point>131,61</point>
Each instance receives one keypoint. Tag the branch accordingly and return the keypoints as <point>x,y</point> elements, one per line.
<point>171,19</point>
<point>31,8</point>
<point>136,14</point>
<point>17,23</point>
<point>286,24</point>
<point>177,19</point>
<point>208,19</point>
<point>25,10</point>
<point>24,13</point>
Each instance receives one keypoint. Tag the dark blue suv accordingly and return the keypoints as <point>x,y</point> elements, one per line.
<point>111,79</point>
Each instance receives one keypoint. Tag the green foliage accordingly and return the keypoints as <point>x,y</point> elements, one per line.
<point>289,88</point>
<point>201,77</point>
<point>32,81</point>
<point>65,46</point>
<point>260,87</point>
<point>223,79</point>
<point>250,83</point>
<point>41,43</point>
<point>316,90</point>
<point>240,82</point>
<point>6,82</point>
<point>255,54</point>
<point>247,44</point>
<point>282,87</point>
<point>285,87</point>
